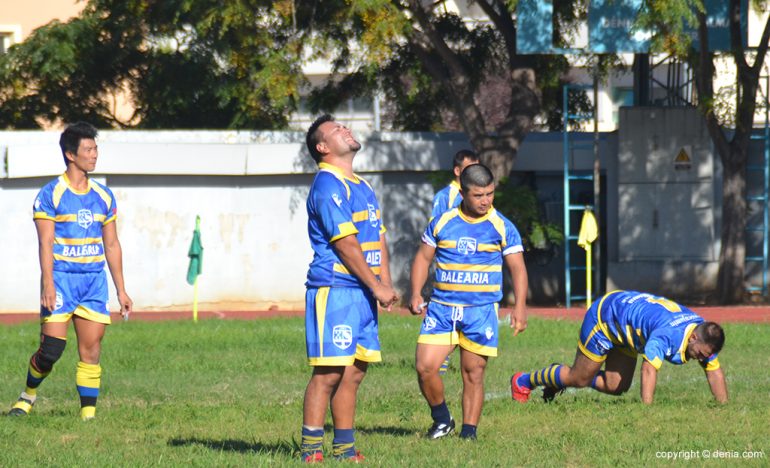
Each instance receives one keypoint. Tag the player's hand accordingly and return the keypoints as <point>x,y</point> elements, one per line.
<point>48,296</point>
<point>126,305</point>
<point>385,295</point>
<point>518,321</point>
<point>417,305</point>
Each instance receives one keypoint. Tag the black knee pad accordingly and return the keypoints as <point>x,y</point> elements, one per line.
<point>51,349</point>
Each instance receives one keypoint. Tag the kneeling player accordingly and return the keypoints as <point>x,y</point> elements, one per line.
<point>617,328</point>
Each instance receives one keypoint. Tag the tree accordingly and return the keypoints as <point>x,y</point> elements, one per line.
<point>428,61</point>
<point>669,18</point>
<point>182,64</point>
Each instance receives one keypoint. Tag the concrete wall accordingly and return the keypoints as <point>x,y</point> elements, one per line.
<point>667,231</point>
<point>250,188</point>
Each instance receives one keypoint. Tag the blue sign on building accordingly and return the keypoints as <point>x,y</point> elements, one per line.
<point>611,27</point>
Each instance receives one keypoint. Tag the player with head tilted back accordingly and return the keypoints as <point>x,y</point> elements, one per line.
<point>471,244</point>
<point>349,274</point>
<point>621,326</point>
<point>75,220</point>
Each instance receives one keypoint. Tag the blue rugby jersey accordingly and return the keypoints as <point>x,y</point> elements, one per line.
<point>78,220</point>
<point>447,198</point>
<point>655,327</point>
<point>469,256</point>
<point>339,206</point>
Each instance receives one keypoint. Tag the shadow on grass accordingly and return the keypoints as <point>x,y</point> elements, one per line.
<point>240,446</point>
<point>387,430</point>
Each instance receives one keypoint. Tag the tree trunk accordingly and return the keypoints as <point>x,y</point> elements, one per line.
<point>732,255</point>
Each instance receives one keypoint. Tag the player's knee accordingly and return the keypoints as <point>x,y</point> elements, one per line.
<point>619,388</point>
<point>51,349</point>
<point>424,368</point>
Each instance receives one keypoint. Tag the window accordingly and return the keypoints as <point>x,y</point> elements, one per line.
<point>9,35</point>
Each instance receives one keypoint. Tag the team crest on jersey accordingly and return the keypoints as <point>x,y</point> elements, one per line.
<point>59,301</point>
<point>466,245</point>
<point>429,324</point>
<point>85,218</point>
<point>489,333</point>
<point>342,336</point>
<point>372,214</point>
<point>336,199</point>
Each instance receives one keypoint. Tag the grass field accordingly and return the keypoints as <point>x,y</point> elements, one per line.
<point>229,393</point>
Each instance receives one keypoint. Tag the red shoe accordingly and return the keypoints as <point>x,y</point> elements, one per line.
<point>357,458</point>
<point>315,457</point>
<point>519,393</point>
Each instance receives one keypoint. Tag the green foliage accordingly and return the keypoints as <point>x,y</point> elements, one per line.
<point>519,203</point>
<point>187,64</point>
<point>229,393</point>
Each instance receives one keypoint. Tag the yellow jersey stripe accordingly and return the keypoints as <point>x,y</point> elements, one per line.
<point>467,267</point>
<point>363,215</point>
<point>370,246</point>
<point>447,244</point>
<point>488,248</point>
<point>346,229</point>
<point>73,218</point>
<point>340,268</point>
<point>102,193</point>
<point>97,258</point>
<point>445,218</point>
<point>83,241</point>
<point>59,190</point>
<point>499,226</point>
<point>42,215</point>
<point>467,287</point>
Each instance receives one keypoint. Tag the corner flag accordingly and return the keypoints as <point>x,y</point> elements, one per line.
<point>589,231</point>
<point>196,264</point>
<point>195,253</point>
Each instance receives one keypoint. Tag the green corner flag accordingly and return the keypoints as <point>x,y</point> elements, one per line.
<point>195,253</point>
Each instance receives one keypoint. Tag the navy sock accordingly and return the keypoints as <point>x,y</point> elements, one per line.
<point>343,445</point>
<point>468,432</point>
<point>440,413</point>
<point>312,441</point>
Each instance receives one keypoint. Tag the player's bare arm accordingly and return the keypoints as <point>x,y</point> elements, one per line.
<point>45,234</point>
<point>518,270</point>
<point>113,253</point>
<point>349,251</point>
<point>384,262</point>
<point>649,380</point>
<point>419,275</point>
<point>717,384</point>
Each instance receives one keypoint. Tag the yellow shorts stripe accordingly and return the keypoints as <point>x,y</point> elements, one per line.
<point>444,339</point>
<point>589,354</point>
<point>367,355</point>
<point>476,348</point>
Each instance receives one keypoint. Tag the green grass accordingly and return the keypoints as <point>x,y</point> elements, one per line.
<point>229,393</point>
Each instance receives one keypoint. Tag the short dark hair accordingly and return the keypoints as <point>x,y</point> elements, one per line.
<point>462,155</point>
<point>313,138</point>
<point>69,141</point>
<point>476,175</point>
<point>711,334</point>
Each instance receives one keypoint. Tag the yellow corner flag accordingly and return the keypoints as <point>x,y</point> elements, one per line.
<point>589,231</point>
<point>196,264</point>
